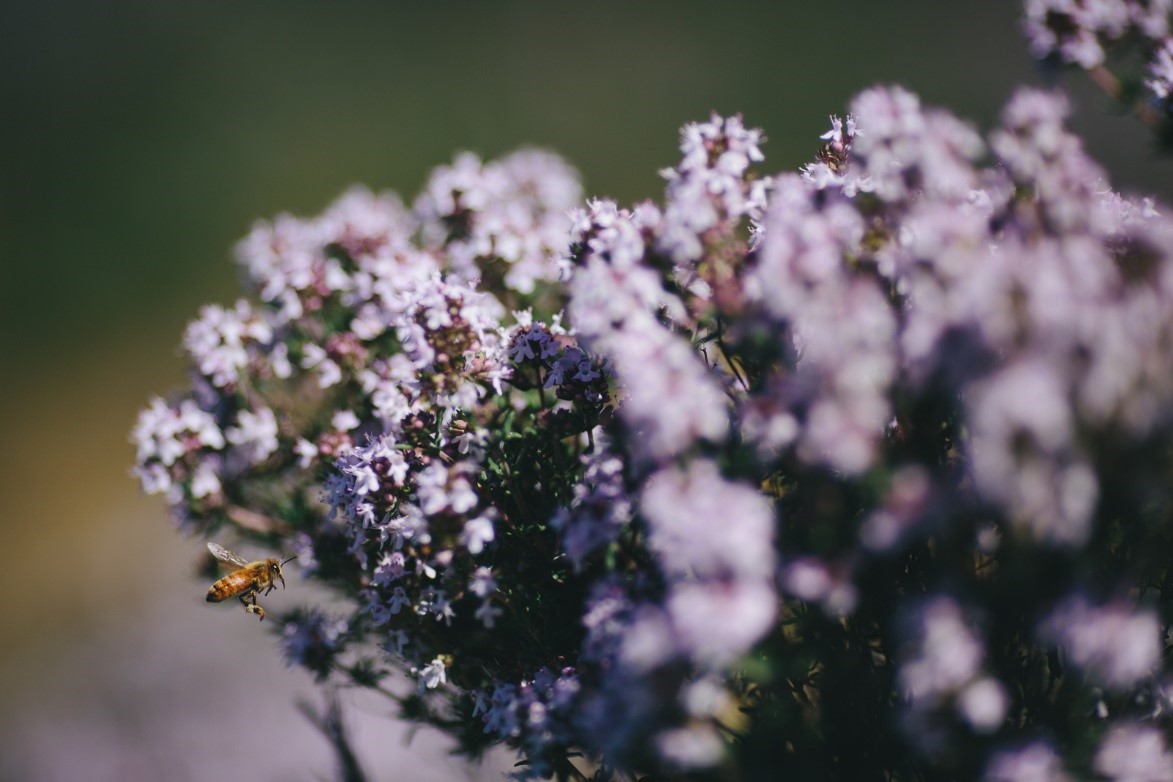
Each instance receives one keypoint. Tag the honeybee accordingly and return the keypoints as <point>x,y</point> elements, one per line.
<point>249,579</point>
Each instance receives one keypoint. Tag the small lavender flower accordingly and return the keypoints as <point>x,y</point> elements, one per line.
<point>221,342</point>
<point>813,581</point>
<point>943,673</point>
<point>1077,32</point>
<point>1112,643</point>
<point>702,526</point>
<point>512,210</point>
<point>906,150</point>
<point>1160,74</point>
<point>947,656</point>
<point>1134,753</point>
<point>255,435</point>
<point>166,433</point>
<point>179,454</point>
<point>477,533</point>
<point>710,186</point>
<point>500,718</point>
<point>1071,30</point>
<point>716,622</point>
<point>695,746</point>
<point>600,510</point>
<point>313,640</point>
<point>1036,762</point>
<point>1024,455</point>
<point>669,397</point>
<point>1093,35</point>
<point>290,264</point>
<point>843,328</point>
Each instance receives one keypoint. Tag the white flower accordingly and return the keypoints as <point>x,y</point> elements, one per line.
<point>432,675</point>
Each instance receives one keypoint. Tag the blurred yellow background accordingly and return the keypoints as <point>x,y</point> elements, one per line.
<point>140,140</point>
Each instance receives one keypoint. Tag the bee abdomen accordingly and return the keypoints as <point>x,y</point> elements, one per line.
<point>229,586</point>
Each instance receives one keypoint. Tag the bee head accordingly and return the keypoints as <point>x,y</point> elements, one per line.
<point>275,573</point>
<point>275,569</point>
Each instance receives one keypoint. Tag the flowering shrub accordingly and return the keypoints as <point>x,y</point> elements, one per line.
<point>859,472</point>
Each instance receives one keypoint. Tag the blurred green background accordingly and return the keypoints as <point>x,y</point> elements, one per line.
<point>140,140</point>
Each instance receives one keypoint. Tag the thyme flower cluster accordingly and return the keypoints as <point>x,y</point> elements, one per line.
<point>1134,37</point>
<point>856,472</point>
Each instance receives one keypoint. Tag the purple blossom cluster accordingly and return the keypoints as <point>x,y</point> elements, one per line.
<point>1093,34</point>
<point>505,219</point>
<point>860,471</point>
<point>1159,79</point>
<point>1078,30</point>
<point>311,639</point>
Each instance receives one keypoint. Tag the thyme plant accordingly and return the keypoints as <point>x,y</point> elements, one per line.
<point>858,472</point>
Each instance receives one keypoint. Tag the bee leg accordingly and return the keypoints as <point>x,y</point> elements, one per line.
<point>250,605</point>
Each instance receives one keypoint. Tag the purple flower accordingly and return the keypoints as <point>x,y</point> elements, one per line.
<point>600,510</point>
<point>1035,762</point>
<point>670,398</point>
<point>710,186</point>
<point>947,654</point>
<point>255,435</point>
<point>701,525</point>
<point>313,640</point>
<point>1160,74</point>
<point>904,150</point>
<point>1113,643</point>
<point>221,342</point>
<point>513,210</point>
<point>1024,455</point>
<point>477,533</point>
<point>1134,753</point>
<point>1076,32</point>
<point>715,622</point>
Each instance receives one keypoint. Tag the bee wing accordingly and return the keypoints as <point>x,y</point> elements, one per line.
<point>224,555</point>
